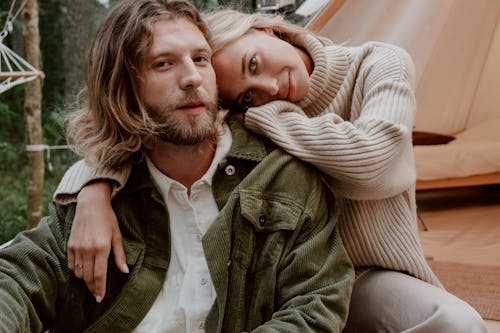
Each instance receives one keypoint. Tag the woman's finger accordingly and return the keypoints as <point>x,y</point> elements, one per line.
<point>118,251</point>
<point>71,259</point>
<point>88,271</point>
<point>78,270</point>
<point>100,274</point>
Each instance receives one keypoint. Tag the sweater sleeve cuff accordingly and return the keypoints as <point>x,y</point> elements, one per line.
<point>81,174</point>
<point>268,113</point>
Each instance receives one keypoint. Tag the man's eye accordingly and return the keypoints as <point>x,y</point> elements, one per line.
<point>201,59</point>
<point>161,64</point>
<point>247,98</point>
<point>252,65</point>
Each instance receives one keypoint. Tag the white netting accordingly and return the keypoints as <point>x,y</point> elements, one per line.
<point>14,69</point>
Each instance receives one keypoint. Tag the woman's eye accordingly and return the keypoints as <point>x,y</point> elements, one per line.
<point>252,66</point>
<point>247,98</point>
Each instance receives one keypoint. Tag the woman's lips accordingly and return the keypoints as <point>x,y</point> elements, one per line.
<point>291,87</point>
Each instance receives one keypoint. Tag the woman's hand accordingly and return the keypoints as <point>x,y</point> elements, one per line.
<point>94,232</point>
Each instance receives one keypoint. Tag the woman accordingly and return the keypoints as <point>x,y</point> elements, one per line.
<point>348,111</point>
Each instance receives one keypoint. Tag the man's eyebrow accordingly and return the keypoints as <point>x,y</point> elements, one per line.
<point>170,53</point>
<point>160,53</point>
<point>204,49</point>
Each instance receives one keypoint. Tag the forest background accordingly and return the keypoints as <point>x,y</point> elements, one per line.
<point>66,28</point>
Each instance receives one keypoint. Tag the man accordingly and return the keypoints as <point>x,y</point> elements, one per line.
<point>223,231</point>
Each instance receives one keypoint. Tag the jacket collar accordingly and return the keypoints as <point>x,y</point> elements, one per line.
<point>246,146</point>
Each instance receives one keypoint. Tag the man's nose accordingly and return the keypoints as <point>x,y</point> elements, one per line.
<point>190,76</point>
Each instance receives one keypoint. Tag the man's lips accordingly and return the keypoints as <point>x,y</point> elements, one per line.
<point>193,104</point>
<point>195,107</point>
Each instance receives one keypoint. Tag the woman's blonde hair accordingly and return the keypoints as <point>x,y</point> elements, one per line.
<point>226,26</point>
<point>113,123</point>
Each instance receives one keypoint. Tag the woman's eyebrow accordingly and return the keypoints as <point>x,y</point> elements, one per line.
<point>244,64</point>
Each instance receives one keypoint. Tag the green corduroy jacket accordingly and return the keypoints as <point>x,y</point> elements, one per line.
<point>275,257</point>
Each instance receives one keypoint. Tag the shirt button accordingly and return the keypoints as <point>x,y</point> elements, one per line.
<point>262,220</point>
<point>204,281</point>
<point>201,325</point>
<point>230,170</point>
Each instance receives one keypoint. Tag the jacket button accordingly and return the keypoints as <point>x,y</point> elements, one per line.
<point>230,170</point>
<point>262,220</point>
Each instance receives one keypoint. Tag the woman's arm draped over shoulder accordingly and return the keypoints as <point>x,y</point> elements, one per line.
<point>367,154</point>
<point>81,174</point>
<point>95,229</point>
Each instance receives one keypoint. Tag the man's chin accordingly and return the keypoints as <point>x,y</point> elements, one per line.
<point>191,137</point>
<point>187,140</point>
<point>189,126</point>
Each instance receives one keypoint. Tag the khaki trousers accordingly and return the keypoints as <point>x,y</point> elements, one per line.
<point>389,301</point>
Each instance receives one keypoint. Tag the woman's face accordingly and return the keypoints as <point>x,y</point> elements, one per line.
<point>259,67</point>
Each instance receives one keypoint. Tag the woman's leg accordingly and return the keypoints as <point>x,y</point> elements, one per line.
<point>389,301</point>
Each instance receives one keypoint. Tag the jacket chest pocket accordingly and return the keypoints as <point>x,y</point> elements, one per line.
<point>269,212</point>
<point>269,221</point>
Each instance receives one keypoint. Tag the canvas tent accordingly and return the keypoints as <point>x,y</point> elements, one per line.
<point>455,45</point>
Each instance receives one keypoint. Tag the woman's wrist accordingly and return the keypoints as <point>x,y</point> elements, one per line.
<point>96,190</point>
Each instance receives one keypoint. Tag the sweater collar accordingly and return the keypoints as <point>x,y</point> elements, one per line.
<point>330,69</point>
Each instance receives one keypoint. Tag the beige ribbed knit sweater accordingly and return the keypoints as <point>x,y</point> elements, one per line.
<point>355,125</point>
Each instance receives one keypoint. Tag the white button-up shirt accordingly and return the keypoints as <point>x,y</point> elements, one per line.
<point>188,293</point>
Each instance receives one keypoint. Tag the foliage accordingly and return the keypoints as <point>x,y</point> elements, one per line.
<point>14,168</point>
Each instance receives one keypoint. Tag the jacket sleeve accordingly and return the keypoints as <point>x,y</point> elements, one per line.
<point>366,150</point>
<point>80,174</point>
<point>33,277</point>
<point>315,276</point>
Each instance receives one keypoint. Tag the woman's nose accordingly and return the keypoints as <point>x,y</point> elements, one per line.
<point>269,86</point>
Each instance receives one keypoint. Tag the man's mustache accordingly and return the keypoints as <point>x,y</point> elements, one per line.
<point>192,99</point>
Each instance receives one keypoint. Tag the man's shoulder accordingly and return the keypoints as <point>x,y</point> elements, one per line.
<point>250,144</point>
<point>246,142</point>
<point>279,171</point>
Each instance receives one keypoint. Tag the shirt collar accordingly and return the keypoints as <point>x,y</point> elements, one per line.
<point>244,145</point>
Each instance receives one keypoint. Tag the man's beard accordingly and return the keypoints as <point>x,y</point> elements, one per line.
<point>179,128</point>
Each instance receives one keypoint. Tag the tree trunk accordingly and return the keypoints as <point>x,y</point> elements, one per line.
<point>76,37</point>
<point>33,113</point>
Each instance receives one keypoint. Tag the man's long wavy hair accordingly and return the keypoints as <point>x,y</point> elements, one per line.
<point>112,124</point>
